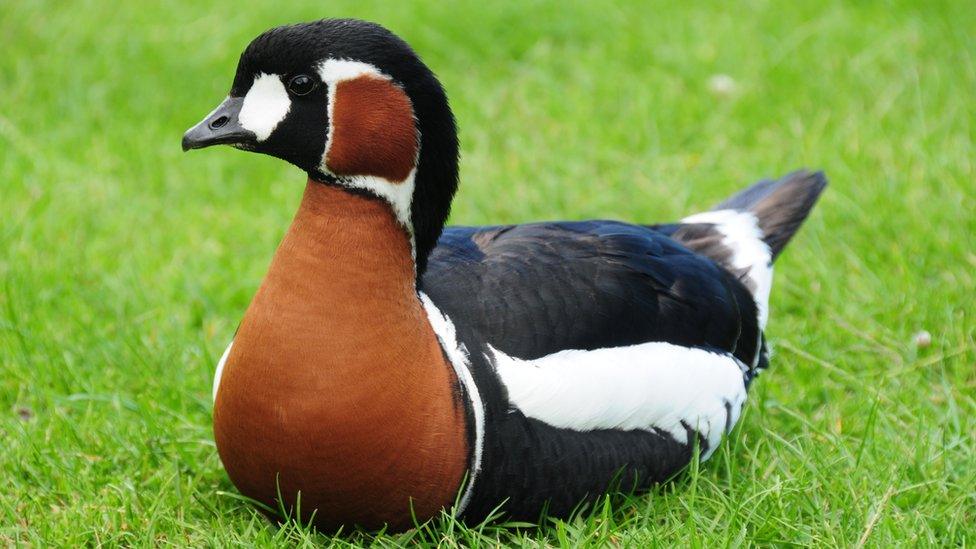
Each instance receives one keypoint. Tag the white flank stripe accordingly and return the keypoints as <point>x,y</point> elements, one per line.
<point>749,252</point>
<point>265,106</point>
<point>220,369</point>
<point>458,355</point>
<point>647,386</point>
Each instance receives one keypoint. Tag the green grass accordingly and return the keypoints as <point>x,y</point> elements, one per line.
<point>125,265</point>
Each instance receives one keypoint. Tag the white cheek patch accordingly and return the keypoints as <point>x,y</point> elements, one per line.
<point>265,106</point>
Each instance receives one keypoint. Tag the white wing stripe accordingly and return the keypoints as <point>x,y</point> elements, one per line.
<point>647,386</point>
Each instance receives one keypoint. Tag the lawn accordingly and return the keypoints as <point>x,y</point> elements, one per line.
<point>125,264</point>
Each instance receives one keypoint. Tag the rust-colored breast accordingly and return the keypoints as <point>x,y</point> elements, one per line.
<point>336,386</point>
<point>373,131</point>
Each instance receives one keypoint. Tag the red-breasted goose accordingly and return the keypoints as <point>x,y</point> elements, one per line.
<point>388,366</point>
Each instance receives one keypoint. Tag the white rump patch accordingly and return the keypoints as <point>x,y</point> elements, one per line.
<point>647,386</point>
<point>220,369</point>
<point>458,355</point>
<point>749,252</point>
<point>265,106</point>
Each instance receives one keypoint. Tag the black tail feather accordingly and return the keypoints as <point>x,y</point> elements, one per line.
<point>780,205</point>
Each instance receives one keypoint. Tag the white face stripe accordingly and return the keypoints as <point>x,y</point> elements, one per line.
<point>398,194</point>
<point>265,105</point>
<point>749,252</point>
<point>458,356</point>
<point>647,386</point>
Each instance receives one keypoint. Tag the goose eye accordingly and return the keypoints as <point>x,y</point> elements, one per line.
<point>301,85</point>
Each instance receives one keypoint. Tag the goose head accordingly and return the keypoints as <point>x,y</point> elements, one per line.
<point>352,105</point>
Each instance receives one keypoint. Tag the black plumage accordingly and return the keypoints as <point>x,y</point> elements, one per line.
<point>536,289</point>
<point>533,290</point>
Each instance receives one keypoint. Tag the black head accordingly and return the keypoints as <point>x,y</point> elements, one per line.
<point>351,104</point>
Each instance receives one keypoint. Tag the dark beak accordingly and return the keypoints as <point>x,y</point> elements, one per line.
<point>221,127</point>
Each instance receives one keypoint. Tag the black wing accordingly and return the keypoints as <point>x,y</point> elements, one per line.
<point>536,289</point>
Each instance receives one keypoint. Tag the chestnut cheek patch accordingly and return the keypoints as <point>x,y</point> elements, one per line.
<point>373,130</point>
